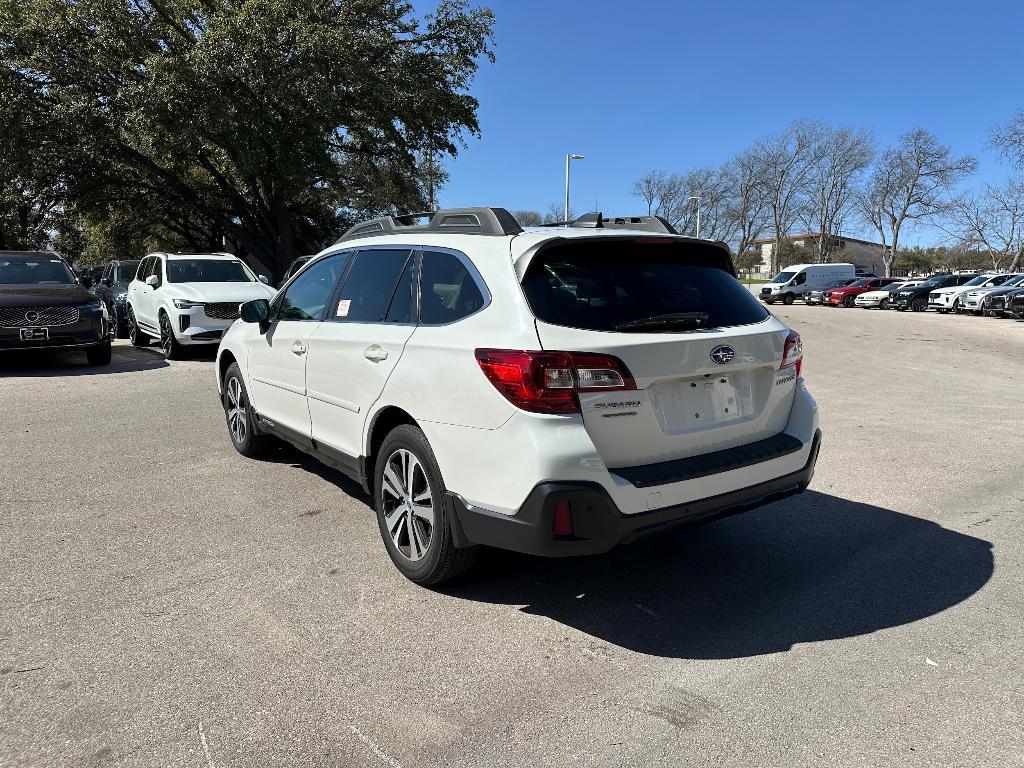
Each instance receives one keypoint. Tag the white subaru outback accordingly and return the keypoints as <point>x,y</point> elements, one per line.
<point>555,391</point>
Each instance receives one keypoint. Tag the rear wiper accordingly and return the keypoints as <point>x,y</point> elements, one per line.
<point>688,320</point>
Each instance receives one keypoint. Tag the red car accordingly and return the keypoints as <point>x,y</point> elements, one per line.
<point>845,296</point>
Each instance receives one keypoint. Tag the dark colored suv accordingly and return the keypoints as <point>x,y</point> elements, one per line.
<point>916,298</point>
<point>43,306</point>
<point>112,288</point>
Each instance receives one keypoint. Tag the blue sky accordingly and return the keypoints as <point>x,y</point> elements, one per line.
<point>674,85</point>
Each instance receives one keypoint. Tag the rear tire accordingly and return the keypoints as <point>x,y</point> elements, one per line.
<point>919,304</point>
<point>240,418</point>
<point>135,334</point>
<point>99,355</point>
<point>412,510</point>
<point>883,304</point>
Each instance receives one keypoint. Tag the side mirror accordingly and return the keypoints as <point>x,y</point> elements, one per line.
<point>264,279</point>
<point>152,281</point>
<point>255,311</point>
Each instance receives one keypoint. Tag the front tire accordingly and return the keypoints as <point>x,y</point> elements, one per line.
<point>919,304</point>
<point>412,513</point>
<point>849,301</point>
<point>239,416</point>
<point>787,299</point>
<point>99,355</point>
<point>135,334</point>
<point>168,344</point>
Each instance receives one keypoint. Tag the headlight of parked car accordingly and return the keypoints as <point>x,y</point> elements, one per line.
<point>92,308</point>
<point>182,304</point>
<point>120,297</point>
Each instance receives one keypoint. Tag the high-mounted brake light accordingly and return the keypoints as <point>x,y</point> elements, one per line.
<point>549,382</point>
<point>793,352</point>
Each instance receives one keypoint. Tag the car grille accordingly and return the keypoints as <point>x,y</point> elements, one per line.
<point>223,310</point>
<point>765,291</point>
<point>995,302</point>
<point>16,317</point>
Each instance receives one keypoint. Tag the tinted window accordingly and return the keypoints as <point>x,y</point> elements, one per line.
<point>604,286</point>
<point>370,286</point>
<point>158,270</point>
<point>125,271</point>
<point>298,264</point>
<point>208,271</point>
<point>107,272</point>
<point>28,270</point>
<point>402,304</point>
<point>308,294</point>
<point>448,291</point>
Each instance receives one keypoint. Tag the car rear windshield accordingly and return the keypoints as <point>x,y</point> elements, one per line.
<point>208,271</point>
<point>603,286</point>
<point>34,271</point>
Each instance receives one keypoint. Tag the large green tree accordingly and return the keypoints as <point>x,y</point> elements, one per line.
<point>269,124</point>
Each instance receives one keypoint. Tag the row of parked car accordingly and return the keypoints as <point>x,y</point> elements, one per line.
<point>993,294</point>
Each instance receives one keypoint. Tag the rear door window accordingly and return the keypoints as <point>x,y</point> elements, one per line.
<point>448,289</point>
<point>623,285</point>
<point>371,285</point>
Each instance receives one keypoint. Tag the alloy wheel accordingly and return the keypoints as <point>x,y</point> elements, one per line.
<point>237,422</point>
<point>133,329</point>
<point>166,336</point>
<point>408,504</point>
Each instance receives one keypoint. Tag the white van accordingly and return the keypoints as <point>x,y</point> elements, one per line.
<point>796,281</point>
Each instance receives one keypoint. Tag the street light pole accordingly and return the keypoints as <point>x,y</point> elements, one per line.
<point>697,198</point>
<point>568,159</point>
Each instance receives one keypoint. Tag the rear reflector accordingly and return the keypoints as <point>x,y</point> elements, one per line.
<point>563,518</point>
<point>548,382</point>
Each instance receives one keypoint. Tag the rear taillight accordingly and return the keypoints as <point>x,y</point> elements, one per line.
<point>548,382</point>
<point>793,352</point>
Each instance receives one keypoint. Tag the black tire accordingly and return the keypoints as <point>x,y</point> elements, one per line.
<point>168,344</point>
<point>239,417</point>
<point>99,355</point>
<point>432,556</point>
<point>920,304</point>
<point>883,304</point>
<point>137,336</point>
<point>787,299</point>
<point>955,309</point>
<point>849,302</point>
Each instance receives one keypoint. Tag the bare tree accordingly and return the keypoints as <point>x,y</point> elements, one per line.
<point>556,214</point>
<point>749,203</point>
<point>910,182</point>
<point>650,187</point>
<point>1009,139</point>
<point>994,220</point>
<point>786,164</point>
<point>843,156</point>
<point>528,218</point>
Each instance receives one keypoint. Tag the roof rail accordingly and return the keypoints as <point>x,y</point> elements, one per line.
<point>462,221</point>
<point>596,220</point>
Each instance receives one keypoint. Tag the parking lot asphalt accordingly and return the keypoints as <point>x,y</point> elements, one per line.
<point>167,602</point>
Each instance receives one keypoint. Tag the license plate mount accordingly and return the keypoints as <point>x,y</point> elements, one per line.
<point>34,334</point>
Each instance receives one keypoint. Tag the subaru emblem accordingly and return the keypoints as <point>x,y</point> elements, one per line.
<point>723,354</point>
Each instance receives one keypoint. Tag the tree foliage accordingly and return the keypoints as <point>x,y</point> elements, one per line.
<point>268,124</point>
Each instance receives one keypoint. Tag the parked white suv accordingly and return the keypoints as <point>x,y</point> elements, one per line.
<point>555,391</point>
<point>184,299</point>
<point>949,299</point>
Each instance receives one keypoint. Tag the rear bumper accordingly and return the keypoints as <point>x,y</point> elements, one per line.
<point>598,524</point>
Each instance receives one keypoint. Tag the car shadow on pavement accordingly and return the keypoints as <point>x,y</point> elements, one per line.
<point>44,364</point>
<point>283,453</point>
<point>809,568</point>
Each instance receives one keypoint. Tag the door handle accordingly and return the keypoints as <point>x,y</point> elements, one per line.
<point>375,353</point>
<point>298,347</point>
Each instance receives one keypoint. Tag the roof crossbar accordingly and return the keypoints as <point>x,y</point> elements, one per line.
<point>462,221</point>
<point>596,220</point>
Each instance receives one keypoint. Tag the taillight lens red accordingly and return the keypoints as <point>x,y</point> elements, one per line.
<point>548,382</point>
<point>793,352</point>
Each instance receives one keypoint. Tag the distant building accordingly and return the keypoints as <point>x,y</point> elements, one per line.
<point>865,255</point>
